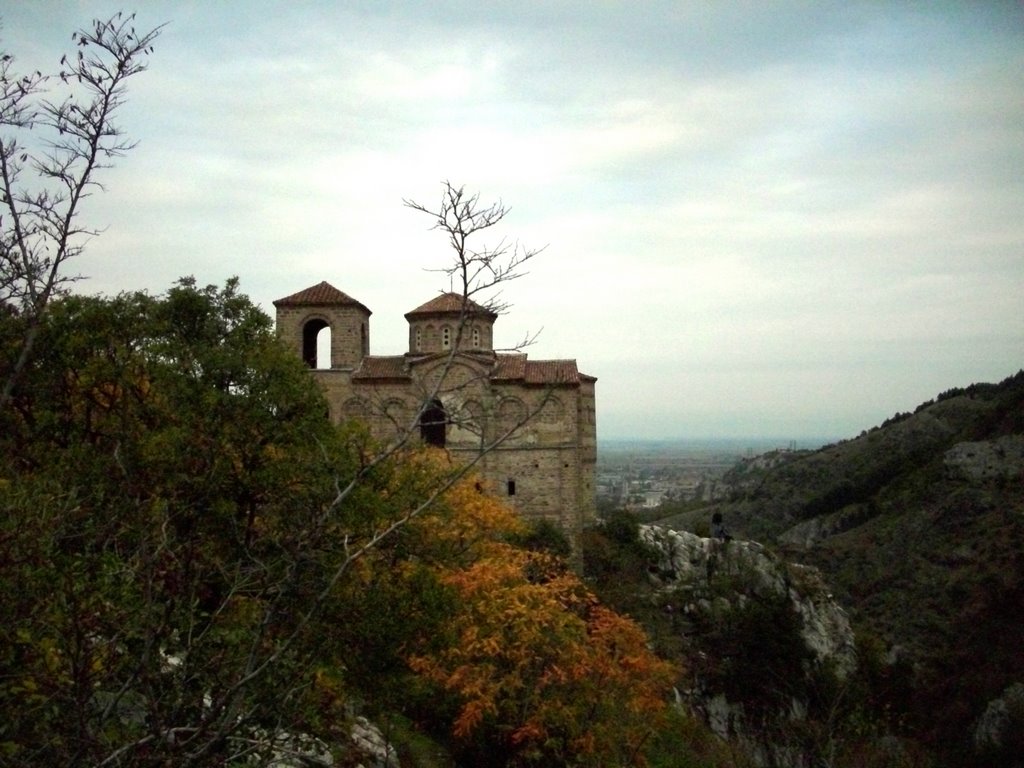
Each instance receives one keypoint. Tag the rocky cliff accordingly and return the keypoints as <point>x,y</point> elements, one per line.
<point>762,635</point>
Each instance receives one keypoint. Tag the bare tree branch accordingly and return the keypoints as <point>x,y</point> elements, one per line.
<point>461,216</point>
<point>42,190</point>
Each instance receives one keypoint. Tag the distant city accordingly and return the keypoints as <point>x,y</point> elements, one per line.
<point>647,474</point>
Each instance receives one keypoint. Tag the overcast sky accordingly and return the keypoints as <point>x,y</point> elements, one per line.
<point>784,220</point>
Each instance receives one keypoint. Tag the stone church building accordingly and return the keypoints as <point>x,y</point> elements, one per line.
<point>533,420</point>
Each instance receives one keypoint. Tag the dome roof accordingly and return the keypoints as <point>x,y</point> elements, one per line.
<point>450,304</point>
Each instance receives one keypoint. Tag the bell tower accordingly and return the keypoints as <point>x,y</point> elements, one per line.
<point>303,315</point>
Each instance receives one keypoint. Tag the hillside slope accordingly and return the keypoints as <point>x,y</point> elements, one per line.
<point>919,526</point>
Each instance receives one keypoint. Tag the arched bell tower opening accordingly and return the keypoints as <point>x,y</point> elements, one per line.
<point>433,424</point>
<point>316,343</point>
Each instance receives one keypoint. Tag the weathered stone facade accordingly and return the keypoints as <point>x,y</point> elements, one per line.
<point>533,421</point>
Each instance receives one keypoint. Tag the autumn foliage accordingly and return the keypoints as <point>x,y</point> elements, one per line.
<point>540,669</point>
<point>182,576</point>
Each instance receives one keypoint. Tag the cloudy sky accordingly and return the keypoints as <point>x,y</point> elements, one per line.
<point>785,220</point>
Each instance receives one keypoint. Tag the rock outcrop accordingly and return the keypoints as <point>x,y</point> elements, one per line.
<point>734,599</point>
<point>999,733</point>
<point>366,748</point>
<point>1002,458</point>
<point>691,563</point>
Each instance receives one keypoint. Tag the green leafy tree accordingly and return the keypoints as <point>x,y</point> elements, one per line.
<point>168,515</point>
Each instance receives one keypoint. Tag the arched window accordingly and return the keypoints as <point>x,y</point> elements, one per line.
<point>364,340</point>
<point>433,422</point>
<point>446,338</point>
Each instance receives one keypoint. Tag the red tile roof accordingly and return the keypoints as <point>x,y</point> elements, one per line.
<point>392,367</point>
<point>520,368</point>
<point>509,367</point>
<point>552,372</point>
<point>450,303</point>
<point>322,294</point>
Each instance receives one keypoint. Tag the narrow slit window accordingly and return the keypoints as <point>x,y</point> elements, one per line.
<point>511,486</point>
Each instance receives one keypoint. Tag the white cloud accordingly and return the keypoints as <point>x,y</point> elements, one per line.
<point>794,220</point>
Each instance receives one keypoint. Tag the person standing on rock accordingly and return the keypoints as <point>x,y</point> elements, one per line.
<point>718,534</point>
<point>718,530</point>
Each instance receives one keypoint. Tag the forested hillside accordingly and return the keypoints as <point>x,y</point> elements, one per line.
<point>918,525</point>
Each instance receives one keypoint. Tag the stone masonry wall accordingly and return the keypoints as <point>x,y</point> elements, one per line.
<point>550,458</point>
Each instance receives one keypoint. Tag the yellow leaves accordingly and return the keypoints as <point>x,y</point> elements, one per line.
<point>42,668</point>
<point>479,512</point>
<point>327,691</point>
<point>44,649</point>
<point>470,519</point>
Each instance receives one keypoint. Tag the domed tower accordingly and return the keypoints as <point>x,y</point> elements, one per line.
<point>303,315</point>
<point>434,326</point>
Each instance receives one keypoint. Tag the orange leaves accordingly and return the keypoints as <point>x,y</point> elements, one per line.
<point>540,665</point>
<point>471,716</point>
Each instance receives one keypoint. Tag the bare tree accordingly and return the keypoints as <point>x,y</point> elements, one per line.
<point>477,271</point>
<point>51,169</point>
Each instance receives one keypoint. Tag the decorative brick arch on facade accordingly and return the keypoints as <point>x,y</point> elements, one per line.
<point>552,412</point>
<point>512,412</point>
<point>473,415</point>
<point>545,469</point>
<point>354,408</point>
